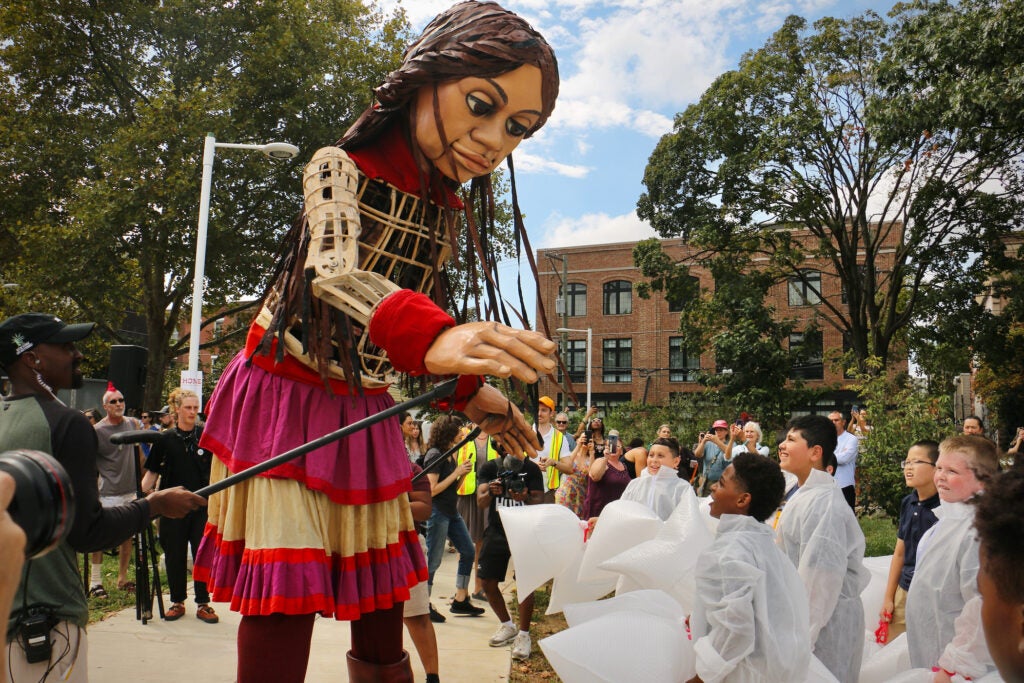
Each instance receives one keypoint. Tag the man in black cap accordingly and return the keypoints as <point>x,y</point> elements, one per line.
<point>39,355</point>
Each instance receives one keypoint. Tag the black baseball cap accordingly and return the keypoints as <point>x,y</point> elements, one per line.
<point>23,332</point>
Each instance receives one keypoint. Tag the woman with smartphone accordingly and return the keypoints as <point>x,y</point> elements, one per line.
<point>608,477</point>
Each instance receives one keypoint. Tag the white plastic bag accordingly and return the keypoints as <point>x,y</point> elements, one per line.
<point>667,561</point>
<point>544,541</point>
<point>627,645</point>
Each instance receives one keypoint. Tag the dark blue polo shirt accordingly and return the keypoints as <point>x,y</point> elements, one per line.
<point>916,517</point>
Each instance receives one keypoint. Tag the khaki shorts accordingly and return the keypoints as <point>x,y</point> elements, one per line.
<point>68,659</point>
<point>419,601</point>
<point>899,614</point>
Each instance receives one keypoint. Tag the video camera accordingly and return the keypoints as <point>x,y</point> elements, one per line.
<point>44,500</point>
<point>512,475</point>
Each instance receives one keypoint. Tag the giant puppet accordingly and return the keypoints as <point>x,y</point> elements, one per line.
<point>357,296</point>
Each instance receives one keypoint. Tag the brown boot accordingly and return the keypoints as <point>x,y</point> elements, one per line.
<point>368,672</point>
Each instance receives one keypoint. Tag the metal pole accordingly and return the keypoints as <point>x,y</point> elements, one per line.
<point>209,149</point>
<point>590,353</point>
<point>441,390</point>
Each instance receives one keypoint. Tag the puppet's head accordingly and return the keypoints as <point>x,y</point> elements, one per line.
<point>477,81</point>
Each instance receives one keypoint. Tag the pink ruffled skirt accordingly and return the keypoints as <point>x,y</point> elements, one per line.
<point>329,532</point>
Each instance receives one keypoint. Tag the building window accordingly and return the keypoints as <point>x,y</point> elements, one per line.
<point>862,274</point>
<point>575,360</point>
<point>682,366</point>
<point>618,360</point>
<point>618,297</point>
<point>575,298</point>
<point>675,302</point>
<point>808,356</point>
<point>805,290</point>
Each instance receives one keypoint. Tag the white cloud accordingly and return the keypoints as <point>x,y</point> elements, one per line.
<point>531,163</point>
<point>592,228</point>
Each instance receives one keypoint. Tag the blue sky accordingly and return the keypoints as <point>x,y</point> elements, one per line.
<point>627,67</point>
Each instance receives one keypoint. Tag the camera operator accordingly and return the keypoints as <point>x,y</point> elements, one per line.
<point>46,633</point>
<point>12,555</point>
<point>507,481</point>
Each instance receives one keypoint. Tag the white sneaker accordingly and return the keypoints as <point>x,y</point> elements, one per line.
<point>521,646</point>
<point>503,636</point>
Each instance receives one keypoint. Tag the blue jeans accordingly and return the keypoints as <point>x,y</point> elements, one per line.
<point>439,527</point>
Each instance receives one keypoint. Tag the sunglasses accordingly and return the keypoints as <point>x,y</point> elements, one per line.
<point>116,400</point>
<point>561,422</point>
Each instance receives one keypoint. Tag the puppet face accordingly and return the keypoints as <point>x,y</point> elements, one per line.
<point>484,119</point>
<point>661,456</point>
<point>954,477</point>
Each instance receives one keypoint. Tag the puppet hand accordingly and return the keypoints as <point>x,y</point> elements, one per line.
<point>498,417</point>
<point>488,348</point>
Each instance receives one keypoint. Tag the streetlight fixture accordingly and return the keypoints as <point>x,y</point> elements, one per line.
<point>192,377</point>
<point>590,338</point>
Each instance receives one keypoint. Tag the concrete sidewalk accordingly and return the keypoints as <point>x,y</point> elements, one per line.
<point>190,651</point>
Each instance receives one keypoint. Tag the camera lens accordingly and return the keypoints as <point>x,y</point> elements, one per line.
<point>44,501</point>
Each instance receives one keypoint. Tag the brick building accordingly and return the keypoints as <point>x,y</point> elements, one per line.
<point>638,353</point>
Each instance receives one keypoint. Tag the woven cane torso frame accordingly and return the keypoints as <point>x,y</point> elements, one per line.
<point>395,243</point>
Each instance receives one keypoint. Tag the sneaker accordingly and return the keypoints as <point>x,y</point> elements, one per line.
<point>466,608</point>
<point>503,636</point>
<point>175,611</point>
<point>206,613</point>
<point>436,616</point>
<point>521,646</point>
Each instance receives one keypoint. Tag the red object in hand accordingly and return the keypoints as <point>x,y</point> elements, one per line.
<point>882,632</point>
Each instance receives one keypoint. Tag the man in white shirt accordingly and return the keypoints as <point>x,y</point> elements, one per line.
<point>847,447</point>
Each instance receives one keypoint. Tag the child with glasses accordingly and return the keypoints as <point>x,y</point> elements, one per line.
<point>916,517</point>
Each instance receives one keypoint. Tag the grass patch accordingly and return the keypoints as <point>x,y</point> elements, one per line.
<point>117,600</point>
<point>879,534</point>
<point>537,668</point>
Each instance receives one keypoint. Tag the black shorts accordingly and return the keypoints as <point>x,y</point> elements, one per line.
<point>494,555</point>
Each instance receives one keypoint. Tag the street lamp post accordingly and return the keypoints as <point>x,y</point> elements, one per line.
<point>590,337</point>
<point>275,150</point>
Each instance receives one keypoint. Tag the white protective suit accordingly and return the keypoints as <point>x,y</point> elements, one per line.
<point>820,534</point>
<point>943,604</point>
<point>661,492</point>
<point>750,623</point>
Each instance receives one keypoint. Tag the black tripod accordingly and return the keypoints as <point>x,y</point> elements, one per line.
<point>147,576</point>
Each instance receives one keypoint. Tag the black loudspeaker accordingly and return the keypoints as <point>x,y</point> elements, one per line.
<point>128,372</point>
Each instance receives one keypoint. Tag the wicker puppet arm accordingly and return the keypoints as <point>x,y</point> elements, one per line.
<point>329,184</point>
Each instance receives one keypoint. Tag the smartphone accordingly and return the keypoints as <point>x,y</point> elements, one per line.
<point>613,442</point>
<point>589,433</point>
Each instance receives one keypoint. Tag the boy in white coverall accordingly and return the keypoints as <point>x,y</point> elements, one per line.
<point>820,534</point>
<point>750,620</point>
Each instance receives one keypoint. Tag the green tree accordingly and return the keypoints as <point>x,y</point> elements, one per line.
<point>805,134</point>
<point>103,111</point>
<point>750,341</point>
<point>899,414</point>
